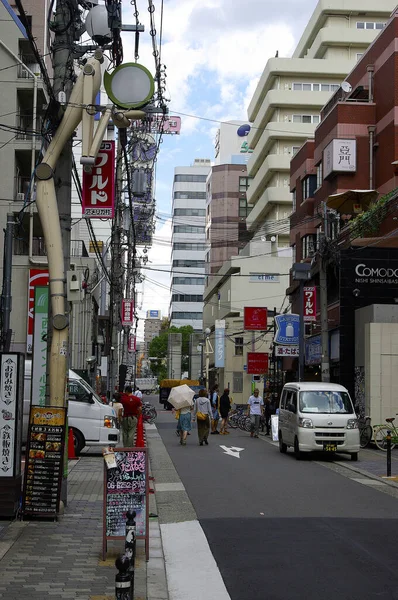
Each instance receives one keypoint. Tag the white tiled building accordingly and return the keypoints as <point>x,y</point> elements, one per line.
<point>188,244</point>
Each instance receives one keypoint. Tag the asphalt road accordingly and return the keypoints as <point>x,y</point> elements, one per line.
<point>282,529</point>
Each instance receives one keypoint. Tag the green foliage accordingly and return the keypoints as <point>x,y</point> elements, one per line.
<point>158,349</point>
<point>368,223</point>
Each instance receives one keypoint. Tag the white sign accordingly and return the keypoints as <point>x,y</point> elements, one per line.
<point>232,451</point>
<point>274,427</point>
<point>340,156</point>
<point>286,350</point>
<point>264,277</point>
<point>8,409</point>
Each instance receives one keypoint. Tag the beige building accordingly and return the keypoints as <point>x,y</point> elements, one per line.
<point>151,330</point>
<point>285,108</point>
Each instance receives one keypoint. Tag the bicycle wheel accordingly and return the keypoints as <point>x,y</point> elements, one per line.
<point>380,437</point>
<point>232,421</point>
<point>152,414</point>
<point>365,435</point>
<point>247,424</point>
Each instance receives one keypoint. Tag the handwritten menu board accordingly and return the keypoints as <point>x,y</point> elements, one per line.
<point>126,489</point>
<point>44,461</point>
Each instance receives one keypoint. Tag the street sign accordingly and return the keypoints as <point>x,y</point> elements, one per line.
<point>257,363</point>
<point>255,318</point>
<point>219,350</point>
<point>309,304</point>
<point>128,312</point>
<point>286,350</point>
<point>99,185</point>
<point>313,351</point>
<point>287,330</point>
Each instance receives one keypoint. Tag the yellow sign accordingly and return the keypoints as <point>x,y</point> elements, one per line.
<point>47,415</point>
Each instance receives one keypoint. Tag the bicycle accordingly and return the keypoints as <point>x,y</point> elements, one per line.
<point>380,434</point>
<point>238,418</point>
<point>365,431</point>
<point>149,413</point>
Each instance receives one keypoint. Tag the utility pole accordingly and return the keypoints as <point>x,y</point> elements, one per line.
<point>6,296</point>
<point>325,367</point>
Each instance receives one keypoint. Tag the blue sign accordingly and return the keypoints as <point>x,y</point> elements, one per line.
<point>287,330</point>
<point>243,130</point>
<point>313,351</point>
<point>219,350</point>
<point>153,314</point>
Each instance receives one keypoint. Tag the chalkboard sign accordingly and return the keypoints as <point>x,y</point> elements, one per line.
<point>44,461</point>
<point>126,489</point>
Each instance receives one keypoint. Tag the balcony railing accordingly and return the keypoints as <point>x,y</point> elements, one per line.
<point>78,249</point>
<point>21,247</point>
<point>23,73</point>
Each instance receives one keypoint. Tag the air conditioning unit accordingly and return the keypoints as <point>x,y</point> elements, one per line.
<point>20,197</point>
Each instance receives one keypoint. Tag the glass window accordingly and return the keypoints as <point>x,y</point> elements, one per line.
<point>187,246</point>
<point>316,87</point>
<point>239,346</point>
<point>188,229</point>
<point>360,25</point>
<point>370,25</point>
<point>379,25</point>
<point>319,175</point>
<point>189,212</point>
<point>334,87</point>
<point>325,87</point>
<point>187,298</point>
<point>295,149</point>
<point>306,118</point>
<point>307,87</point>
<point>77,392</point>
<point>325,402</point>
<point>296,118</point>
<point>187,315</point>
<point>195,264</point>
<point>190,195</point>
<point>359,55</point>
<point>294,199</point>
<point>190,178</point>
<point>237,382</point>
<point>297,86</point>
<point>315,118</point>
<point>244,183</point>
<point>188,280</point>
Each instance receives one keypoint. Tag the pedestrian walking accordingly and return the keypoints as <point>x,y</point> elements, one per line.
<point>184,424</point>
<point>214,401</point>
<point>118,408</point>
<point>203,414</point>
<point>132,408</point>
<point>138,393</point>
<point>225,407</point>
<point>255,410</point>
<point>268,411</point>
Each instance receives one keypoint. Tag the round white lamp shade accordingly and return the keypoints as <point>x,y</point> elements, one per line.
<point>130,85</point>
<point>97,25</point>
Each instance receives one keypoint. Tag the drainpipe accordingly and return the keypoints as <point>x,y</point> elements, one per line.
<point>370,69</point>
<point>33,157</point>
<point>371,130</point>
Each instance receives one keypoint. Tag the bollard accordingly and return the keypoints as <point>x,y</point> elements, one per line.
<point>130,547</point>
<point>388,438</point>
<point>122,579</point>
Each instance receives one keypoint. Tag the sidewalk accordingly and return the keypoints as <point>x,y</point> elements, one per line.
<point>42,559</point>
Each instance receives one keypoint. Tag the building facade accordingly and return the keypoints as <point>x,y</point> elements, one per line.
<point>345,187</point>
<point>152,327</point>
<point>188,244</point>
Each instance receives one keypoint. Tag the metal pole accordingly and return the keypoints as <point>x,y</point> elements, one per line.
<point>325,367</point>
<point>388,438</point>
<point>301,332</point>
<point>7,278</point>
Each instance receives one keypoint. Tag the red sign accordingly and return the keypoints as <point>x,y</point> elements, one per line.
<point>132,344</point>
<point>257,363</point>
<point>36,277</point>
<point>99,185</point>
<point>255,319</point>
<point>128,312</point>
<point>310,304</point>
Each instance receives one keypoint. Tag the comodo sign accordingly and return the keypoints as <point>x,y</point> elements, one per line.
<point>366,274</point>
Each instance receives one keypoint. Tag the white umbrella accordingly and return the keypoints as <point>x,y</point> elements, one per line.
<point>181,396</point>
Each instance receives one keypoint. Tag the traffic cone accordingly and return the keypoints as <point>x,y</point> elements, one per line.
<point>71,446</point>
<point>140,441</point>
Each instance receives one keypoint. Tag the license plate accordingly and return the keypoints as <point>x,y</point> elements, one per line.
<point>329,447</point>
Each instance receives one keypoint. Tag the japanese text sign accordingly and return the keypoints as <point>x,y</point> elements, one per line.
<point>257,363</point>
<point>309,304</point>
<point>99,185</point>
<point>339,156</point>
<point>132,343</point>
<point>286,350</point>
<point>36,277</point>
<point>219,352</point>
<point>255,318</point>
<point>127,312</point>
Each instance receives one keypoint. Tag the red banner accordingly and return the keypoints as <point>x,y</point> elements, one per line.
<point>255,319</point>
<point>310,304</point>
<point>257,363</point>
<point>99,185</point>
<point>36,277</point>
<point>128,312</point>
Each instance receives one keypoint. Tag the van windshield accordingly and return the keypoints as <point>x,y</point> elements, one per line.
<point>325,402</point>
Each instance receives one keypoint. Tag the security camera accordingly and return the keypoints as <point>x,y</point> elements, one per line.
<point>90,360</point>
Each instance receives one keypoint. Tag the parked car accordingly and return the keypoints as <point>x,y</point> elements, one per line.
<point>317,417</point>
<point>93,423</point>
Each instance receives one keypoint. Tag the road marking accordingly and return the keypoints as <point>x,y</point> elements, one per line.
<point>367,481</point>
<point>232,451</point>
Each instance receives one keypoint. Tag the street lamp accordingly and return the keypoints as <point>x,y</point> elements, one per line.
<point>301,272</point>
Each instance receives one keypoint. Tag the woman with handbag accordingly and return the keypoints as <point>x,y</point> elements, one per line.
<point>203,415</point>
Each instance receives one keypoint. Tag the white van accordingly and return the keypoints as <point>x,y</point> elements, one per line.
<point>317,417</point>
<point>93,423</point>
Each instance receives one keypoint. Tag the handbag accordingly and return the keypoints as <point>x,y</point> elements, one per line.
<point>201,416</point>
<point>177,414</point>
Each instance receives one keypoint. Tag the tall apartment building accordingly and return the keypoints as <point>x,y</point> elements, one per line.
<point>286,105</point>
<point>152,327</point>
<point>188,244</point>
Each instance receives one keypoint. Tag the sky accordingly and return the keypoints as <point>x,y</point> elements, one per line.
<point>214,52</point>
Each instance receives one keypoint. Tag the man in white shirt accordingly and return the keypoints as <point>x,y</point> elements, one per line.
<point>255,410</point>
<point>138,393</point>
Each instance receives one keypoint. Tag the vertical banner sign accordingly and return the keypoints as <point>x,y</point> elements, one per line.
<point>39,362</point>
<point>128,312</point>
<point>36,277</point>
<point>126,489</point>
<point>44,461</point>
<point>99,185</point>
<point>132,344</point>
<point>255,319</point>
<point>9,417</point>
<point>310,304</point>
<point>219,351</point>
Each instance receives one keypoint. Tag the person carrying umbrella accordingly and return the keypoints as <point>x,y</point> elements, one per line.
<point>181,397</point>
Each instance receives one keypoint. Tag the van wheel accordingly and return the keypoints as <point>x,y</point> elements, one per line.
<point>282,446</point>
<point>297,453</point>
<point>354,456</point>
<point>78,441</point>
